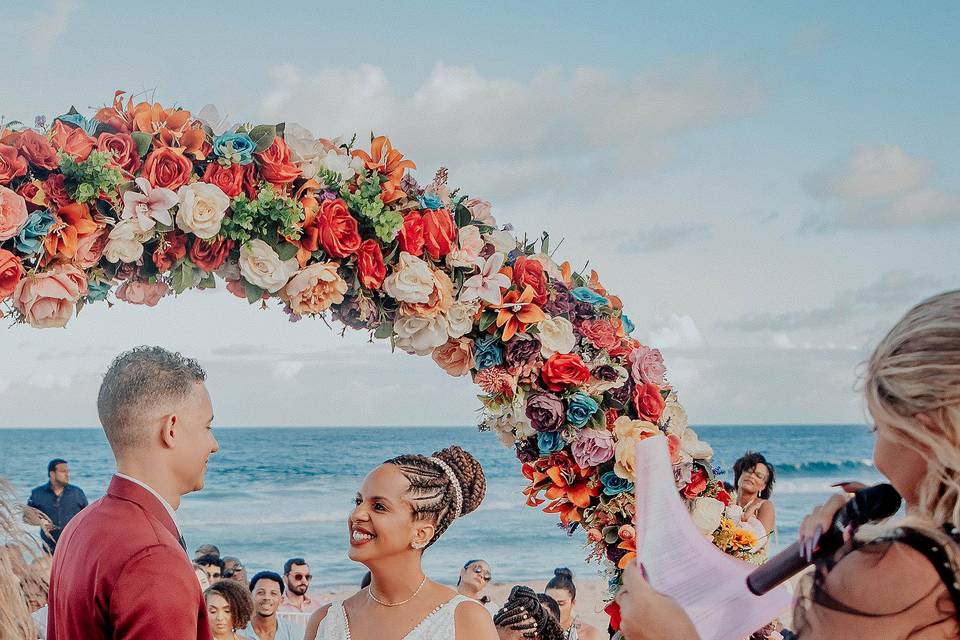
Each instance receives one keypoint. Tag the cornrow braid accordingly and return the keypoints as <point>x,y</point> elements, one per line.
<point>432,491</point>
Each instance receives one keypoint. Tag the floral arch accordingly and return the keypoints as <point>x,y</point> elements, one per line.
<point>141,201</point>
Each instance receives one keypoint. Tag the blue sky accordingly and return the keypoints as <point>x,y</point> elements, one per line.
<point>768,187</point>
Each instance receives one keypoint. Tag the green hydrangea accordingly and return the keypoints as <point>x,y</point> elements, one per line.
<point>87,179</point>
<point>266,217</point>
<point>367,203</point>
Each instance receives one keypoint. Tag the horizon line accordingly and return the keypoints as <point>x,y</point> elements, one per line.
<point>456,426</point>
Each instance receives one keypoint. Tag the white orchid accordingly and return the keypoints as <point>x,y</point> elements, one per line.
<point>486,285</point>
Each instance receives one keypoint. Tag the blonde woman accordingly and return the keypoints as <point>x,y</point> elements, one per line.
<point>902,580</point>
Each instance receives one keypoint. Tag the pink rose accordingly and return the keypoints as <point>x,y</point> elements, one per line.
<point>90,248</point>
<point>13,213</point>
<point>646,365</point>
<point>592,448</point>
<point>139,292</point>
<point>47,299</point>
<point>455,357</point>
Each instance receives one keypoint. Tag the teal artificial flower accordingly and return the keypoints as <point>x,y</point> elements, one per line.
<point>487,352</point>
<point>583,294</point>
<point>614,485</point>
<point>550,442</point>
<point>431,201</point>
<point>580,407</point>
<point>30,239</point>
<point>628,325</point>
<point>236,148</point>
<point>77,120</point>
<point>97,290</point>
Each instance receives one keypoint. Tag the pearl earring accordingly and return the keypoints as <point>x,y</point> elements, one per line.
<point>417,545</point>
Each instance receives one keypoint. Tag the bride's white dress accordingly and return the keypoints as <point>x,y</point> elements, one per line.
<point>438,625</point>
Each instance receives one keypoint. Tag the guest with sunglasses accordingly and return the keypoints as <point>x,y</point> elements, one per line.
<point>296,604</point>
<point>475,576</point>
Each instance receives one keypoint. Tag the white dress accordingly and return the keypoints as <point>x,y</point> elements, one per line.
<point>438,625</point>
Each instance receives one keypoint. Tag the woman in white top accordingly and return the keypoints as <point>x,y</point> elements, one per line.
<point>403,507</point>
<point>474,578</point>
<point>753,477</point>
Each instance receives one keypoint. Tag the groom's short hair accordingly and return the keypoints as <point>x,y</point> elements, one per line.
<point>138,386</point>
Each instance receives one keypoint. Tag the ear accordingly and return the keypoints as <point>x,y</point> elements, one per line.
<point>168,431</point>
<point>422,533</point>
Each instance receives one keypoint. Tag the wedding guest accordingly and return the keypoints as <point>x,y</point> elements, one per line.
<point>229,608</point>
<point>296,574</point>
<point>267,589</point>
<point>402,508</point>
<point>550,605</point>
<point>896,580</point>
<point>121,569</point>
<point>528,615</point>
<point>58,499</point>
<point>562,589</point>
<point>206,550</point>
<point>234,569</point>
<point>213,565</point>
<point>474,578</point>
<point>201,576</point>
<point>754,477</point>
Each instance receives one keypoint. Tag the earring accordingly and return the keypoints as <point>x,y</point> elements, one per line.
<point>417,545</point>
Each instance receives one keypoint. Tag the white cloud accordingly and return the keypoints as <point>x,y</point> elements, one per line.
<point>882,185</point>
<point>679,332</point>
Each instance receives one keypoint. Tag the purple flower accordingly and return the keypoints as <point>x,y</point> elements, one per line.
<point>583,311</point>
<point>592,448</point>
<point>604,372</point>
<point>528,450</point>
<point>619,397</point>
<point>546,412</point>
<point>519,352</point>
<point>560,301</point>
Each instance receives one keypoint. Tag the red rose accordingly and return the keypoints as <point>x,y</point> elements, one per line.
<point>697,484</point>
<point>599,333</point>
<point>123,148</point>
<point>724,497</point>
<point>209,255</point>
<point>30,191</point>
<point>339,231</point>
<point>648,402</point>
<point>72,140</point>
<point>11,270</point>
<point>563,370</point>
<point>37,150</point>
<point>411,234</point>
<point>12,164</point>
<point>229,179</point>
<point>168,168</point>
<point>276,167</point>
<point>55,186</point>
<point>370,264</point>
<point>172,247</point>
<point>250,181</point>
<point>439,232</point>
<point>529,273</point>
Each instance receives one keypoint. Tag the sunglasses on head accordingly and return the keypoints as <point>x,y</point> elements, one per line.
<point>486,575</point>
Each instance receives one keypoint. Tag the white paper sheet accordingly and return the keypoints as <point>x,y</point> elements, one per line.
<point>710,585</point>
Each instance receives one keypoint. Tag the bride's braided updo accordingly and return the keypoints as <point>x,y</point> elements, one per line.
<point>444,486</point>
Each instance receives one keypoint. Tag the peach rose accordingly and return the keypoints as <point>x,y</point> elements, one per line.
<point>139,292</point>
<point>13,213</point>
<point>455,357</point>
<point>315,288</point>
<point>48,299</point>
<point>11,270</point>
<point>72,140</point>
<point>90,248</point>
<point>627,434</point>
<point>439,301</point>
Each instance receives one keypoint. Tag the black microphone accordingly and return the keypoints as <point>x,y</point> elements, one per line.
<point>873,503</point>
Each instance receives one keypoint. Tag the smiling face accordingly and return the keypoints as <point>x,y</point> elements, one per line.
<point>194,442</point>
<point>219,615</point>
<point>381,523</point>
<point>266,597</point>
<point>755,480</point>
<point>475,577</point>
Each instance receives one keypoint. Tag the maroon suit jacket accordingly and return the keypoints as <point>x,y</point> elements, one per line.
<point>119,572</point>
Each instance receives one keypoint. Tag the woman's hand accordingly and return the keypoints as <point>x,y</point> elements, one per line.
<point>819,520</point>
<point>648,615</point>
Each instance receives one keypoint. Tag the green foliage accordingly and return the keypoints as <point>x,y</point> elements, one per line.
<point>367,203</point>
<point>266,217</point>
<point>87,179</point>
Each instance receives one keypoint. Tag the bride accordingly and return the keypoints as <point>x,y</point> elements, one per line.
<point>403,507</point>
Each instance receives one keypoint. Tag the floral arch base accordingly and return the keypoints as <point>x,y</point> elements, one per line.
<point>140,201</point>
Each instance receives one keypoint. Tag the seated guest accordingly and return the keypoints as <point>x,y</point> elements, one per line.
<point>562,589</point>
<point>213,565</point>
<point>296,573</point>
<point>234,569</point>
<point>754,478</point>
<point>474,578</point>
<point>229,608</point>
<point>206,550</point>
<point>267,589</point>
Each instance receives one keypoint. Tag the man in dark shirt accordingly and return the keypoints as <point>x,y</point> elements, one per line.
<point>58,499</point>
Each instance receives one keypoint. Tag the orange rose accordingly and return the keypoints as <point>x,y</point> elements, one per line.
<point>370,267</point>
<point>37,150</point>
<point>47,299</point>
<point>315,288</point>
<point>13,213</point>
<point>410,237</point>
<point>168,168</point>
<point>562,370</point>
<point>339,231</point>
<point>440,299</point>
<point>455,357</point>
<point>72,140</point>
<point>276,167</point>
<point>648,401</point>
<point>123,149</point>
<point>12,164</point>
<point>600,333</point>
<point>229,179</point>
<point>11,270</point>
<point>439,232</point>
<point>529,273</point>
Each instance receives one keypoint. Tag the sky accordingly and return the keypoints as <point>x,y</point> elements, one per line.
<point>767,187</point>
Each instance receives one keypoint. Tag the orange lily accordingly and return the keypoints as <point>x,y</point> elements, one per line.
<point>516,311</point>
<point>596,286</point>
<point>631,547</point>
<point>569,490</point>
<point>385,159</point>
<point>566,273</point>
<point>169,128</point>
<point>72,222</point>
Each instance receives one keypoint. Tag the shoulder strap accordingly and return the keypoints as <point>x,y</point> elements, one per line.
<point>938,557</point>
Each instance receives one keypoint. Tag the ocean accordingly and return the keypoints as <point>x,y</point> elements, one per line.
<point>275,493</point>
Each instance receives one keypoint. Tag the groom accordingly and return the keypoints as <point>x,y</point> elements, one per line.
<point>121,570</point>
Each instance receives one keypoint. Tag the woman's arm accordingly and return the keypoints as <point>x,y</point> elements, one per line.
<point>472,621</point>
<point>767,516</point>
<point>313,624</point>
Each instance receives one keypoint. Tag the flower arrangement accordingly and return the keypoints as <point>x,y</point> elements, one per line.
<point>141,201</point>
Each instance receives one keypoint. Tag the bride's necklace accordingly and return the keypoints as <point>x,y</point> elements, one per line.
<point>395,604</point>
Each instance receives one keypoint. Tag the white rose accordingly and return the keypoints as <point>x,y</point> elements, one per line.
<point>674,418</point>
<point>262,267</point>
<point>340,163</point>
<point>480,211</point>
<point>468,253</point>
<point>556,336</point>
<point>549,266</point>
<point>125,242</point>
<point>302,143</point>
<point>420,334</point>
<point>694,447</point>
<point>707,513</point>
<point>202,207</point>
<point>411,280</point>
<point>460,318</point>
<point>502,241</point>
